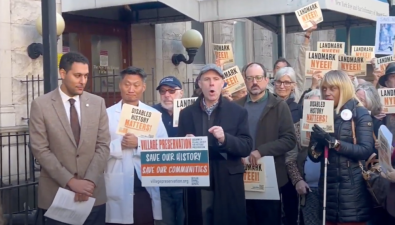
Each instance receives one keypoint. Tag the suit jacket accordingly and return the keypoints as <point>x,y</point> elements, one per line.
<point>275,134</point>
<point>54,146</point>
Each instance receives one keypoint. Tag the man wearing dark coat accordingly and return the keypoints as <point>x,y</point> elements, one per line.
<point>226,126</point>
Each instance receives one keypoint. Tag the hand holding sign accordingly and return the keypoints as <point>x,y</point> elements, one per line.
<point>218,133</point>
<point>321,135</point>
<point>313,28</point>
<point>129,141</point>
<point>254,157</point>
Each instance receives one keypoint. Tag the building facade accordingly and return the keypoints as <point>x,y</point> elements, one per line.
<point>148,45</point>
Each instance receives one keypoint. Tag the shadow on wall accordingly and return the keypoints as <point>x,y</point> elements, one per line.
<point>1,214</point>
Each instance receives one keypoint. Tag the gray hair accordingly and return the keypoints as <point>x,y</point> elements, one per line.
<point>286,71</point>
<point>312,93</point>
<point>372,97</point>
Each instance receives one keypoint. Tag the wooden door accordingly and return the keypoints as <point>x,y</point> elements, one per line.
<point>106,44</point>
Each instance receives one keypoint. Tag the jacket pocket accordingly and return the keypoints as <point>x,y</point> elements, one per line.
<point>114,186</point>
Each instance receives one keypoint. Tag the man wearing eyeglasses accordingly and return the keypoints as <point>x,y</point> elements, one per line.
<point>172,198</point>
<point>271,127</point>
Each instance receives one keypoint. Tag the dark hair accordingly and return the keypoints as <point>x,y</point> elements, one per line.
<point>67,60</point>
<point>281,59</point>
<point>244,70</point>
<point>132,70</point>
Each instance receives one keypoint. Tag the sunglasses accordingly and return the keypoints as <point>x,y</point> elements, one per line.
<point>171,91</point>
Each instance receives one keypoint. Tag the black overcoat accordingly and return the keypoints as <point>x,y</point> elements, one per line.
<point>226,167</point>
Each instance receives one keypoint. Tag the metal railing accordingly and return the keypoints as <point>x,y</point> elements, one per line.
<point>18,175</point>
<point>18,168</point>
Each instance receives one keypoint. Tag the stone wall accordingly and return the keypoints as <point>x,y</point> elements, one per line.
<point>144,56</point>
<point>168,42</point>
<point>18,31</point>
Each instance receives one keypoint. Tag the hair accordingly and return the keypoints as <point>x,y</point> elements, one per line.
<point>340,79</point>
<point>312,93</point>
<point>245,68</point>
<point>372,98</point>
<point>131,70</point>
<point>67,60</point>
<point>281,59</point>
<point>287,71</point>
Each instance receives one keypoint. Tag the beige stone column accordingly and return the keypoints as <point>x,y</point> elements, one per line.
<point>18,31</point>
<point>263,46</point>
<point>168,42</point>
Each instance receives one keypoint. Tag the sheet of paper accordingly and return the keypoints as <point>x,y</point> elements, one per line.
<point>271,188</point>
<point>65,209</point>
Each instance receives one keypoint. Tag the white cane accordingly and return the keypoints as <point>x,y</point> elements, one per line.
<point>325,173</point>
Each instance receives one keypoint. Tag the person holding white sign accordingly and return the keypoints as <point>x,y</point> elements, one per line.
<point>348,200</point>
<point>127,201</point>
<point>226,126</point>
<point>271,126</point>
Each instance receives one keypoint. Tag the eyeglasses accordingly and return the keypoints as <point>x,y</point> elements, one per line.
<point>171,91</point>
<point>286,83</point>
<point>257,78</point>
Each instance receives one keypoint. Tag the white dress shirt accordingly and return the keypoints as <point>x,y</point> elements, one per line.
<point>66,103</point>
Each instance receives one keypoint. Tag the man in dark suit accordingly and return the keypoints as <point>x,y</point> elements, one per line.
<point>70,138</point>
<point>226,126</point>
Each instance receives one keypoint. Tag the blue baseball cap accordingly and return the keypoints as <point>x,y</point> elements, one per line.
<point>170,81</point>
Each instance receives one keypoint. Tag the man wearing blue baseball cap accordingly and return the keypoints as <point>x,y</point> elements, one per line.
<point>226,126</point>
<point>172,198</point>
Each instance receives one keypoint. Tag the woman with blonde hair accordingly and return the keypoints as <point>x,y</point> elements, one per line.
<point>348,201</point>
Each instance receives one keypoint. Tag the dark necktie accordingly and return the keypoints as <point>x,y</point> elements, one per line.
<point>75,124</point>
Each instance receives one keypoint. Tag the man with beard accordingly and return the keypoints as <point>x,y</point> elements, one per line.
<point>271,127</point>
<point>170,88</point>
<point>226,127</point>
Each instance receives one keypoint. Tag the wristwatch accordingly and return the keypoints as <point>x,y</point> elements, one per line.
<point>334,144</point>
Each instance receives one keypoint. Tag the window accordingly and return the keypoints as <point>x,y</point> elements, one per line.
<point>240,44</point>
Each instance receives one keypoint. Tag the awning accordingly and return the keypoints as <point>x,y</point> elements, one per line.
<point>337,13</point>
<point>141,11</point>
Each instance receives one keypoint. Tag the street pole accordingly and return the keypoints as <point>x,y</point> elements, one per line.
<point>50,39</point>
<point>283,33</point>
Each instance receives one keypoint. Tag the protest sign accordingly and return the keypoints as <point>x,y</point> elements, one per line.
<point>353,65</point>
<point>234,80</point>
<point>331,47</point>
<point>318,112</point>
<point>223,54</point>
<point>387,98</point>
<point>382,63</point>
<point>384,40</point>
<point>320,61</point>
<point>254,177</point>
<point>178,105</point>
<point>304,136</point>
<point>385,139</point>
<point>271,187</point>
<point>174,162</point>
<point>311,12</point>
<point>140,122</point>
<point>367,52</point>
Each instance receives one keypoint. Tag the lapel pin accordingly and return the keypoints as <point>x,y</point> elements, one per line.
<point>87,105</point>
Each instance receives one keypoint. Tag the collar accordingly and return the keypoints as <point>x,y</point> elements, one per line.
<point>65,98</point>
<point>264,97</point>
